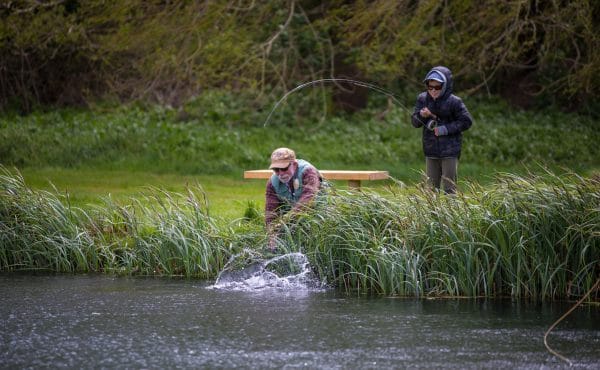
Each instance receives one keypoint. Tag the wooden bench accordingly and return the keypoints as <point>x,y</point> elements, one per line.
<point>353,177</point>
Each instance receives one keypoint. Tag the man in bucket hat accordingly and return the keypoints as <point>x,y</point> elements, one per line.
<point>294,184</point>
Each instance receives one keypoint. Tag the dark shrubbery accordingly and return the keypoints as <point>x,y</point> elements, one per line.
<point>74,52</point>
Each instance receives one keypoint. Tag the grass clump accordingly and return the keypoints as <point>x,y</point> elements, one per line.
<point>534,237</point>
<point>161,234</point>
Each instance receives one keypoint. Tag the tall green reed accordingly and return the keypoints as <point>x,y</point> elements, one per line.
<point>534,236</point>
<point>38,231</point>
<point>160,233</point>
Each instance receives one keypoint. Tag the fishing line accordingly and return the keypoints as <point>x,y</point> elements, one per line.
<point>323,80</point>
<point>596,286</point>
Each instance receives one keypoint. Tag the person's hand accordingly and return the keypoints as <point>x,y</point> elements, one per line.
<point>440,131</point>
<point>425,112</point>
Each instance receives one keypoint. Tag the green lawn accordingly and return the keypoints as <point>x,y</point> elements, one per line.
<point>228,196</point>
<point>91,154</point>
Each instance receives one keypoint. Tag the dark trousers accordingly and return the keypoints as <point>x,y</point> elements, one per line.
<point>442,171</point>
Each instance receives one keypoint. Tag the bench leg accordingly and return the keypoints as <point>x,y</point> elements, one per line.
<point>354,184</point>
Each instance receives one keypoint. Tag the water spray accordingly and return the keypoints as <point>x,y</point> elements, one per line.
<point>327,80</point>
<point>248,271</point>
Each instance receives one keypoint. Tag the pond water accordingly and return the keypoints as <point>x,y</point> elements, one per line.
<point>99,321</point>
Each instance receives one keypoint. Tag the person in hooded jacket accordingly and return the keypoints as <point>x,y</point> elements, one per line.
<point>443,117</point>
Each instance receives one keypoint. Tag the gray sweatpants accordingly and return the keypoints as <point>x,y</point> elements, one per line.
<point>442,170</point>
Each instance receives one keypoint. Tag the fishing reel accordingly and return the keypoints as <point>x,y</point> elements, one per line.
<point>431,124</point>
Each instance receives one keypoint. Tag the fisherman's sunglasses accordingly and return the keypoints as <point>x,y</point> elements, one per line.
<point>276,170</point>
<point>430,87</point>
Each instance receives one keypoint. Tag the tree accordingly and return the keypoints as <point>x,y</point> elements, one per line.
<point>68,52</point>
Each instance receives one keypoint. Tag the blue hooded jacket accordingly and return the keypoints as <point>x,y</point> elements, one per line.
<point>451,113</point>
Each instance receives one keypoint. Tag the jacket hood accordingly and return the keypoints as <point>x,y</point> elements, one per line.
<point>446,74</point>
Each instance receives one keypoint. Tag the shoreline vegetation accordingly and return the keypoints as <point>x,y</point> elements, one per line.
<point>524,236</point>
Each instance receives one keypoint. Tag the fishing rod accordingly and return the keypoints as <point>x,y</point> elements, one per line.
<point>324,80</point>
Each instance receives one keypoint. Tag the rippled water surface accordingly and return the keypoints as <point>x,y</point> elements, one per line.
<point>118,322</point>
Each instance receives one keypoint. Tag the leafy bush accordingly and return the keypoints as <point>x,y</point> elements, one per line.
<point>225,133</point>
<point>75,52</point>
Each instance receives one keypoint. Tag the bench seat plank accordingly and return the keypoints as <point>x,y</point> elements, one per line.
<point>327,174</point>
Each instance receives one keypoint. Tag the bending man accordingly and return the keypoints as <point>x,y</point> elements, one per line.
<point>293,185</point>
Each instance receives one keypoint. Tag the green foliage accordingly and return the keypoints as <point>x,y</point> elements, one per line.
<point>522,237</point>
<point>252,212</point>
<point>526,47</point>
<point>160,234</point>
<point>220,133</point>
<point>534,237</point>
<point>75,52</point>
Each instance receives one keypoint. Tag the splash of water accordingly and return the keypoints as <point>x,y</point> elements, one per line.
<point>328,80</point>
<point>289,271</point>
